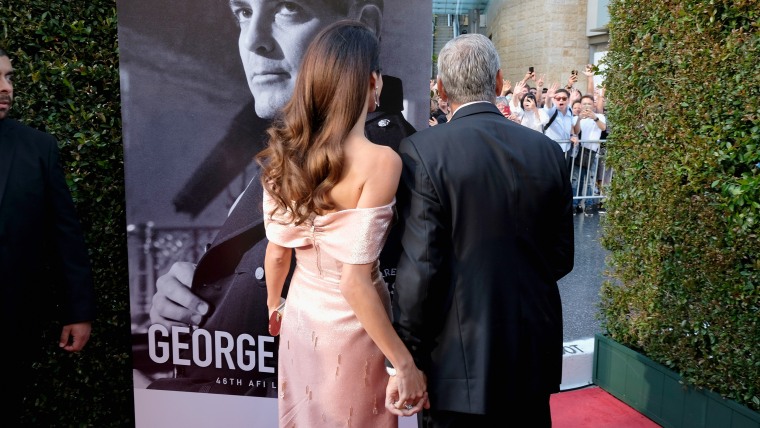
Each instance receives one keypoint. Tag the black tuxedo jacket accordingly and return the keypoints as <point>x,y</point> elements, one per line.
<point>44,263</point>
<point>485,205</point>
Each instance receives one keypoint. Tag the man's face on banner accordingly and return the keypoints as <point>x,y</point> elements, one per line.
<point>273,38</point>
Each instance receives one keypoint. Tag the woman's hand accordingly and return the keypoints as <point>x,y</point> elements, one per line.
<point>406,393</point>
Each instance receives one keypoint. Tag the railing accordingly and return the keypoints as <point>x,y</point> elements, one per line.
<point>588,169</point>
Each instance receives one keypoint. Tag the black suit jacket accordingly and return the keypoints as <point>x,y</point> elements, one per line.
<point>44,263</point>
<point>486,208</point>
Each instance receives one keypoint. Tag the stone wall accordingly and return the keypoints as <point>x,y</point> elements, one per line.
<point>549,35</point>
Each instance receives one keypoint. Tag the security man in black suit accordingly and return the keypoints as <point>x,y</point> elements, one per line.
<point>45,270</point>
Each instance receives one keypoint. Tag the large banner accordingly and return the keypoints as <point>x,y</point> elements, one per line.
<point>201,80</point>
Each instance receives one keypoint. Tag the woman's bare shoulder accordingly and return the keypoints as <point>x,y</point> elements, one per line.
<point>382,170</point>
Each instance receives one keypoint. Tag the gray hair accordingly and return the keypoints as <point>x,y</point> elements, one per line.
<point>467,66</point>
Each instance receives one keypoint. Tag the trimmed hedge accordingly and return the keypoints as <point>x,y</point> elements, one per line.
<point>683,217</point>
<point>67,83</point>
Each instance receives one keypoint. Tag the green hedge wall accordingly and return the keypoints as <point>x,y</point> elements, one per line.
<point>683,220</point>
<point>67,83</point>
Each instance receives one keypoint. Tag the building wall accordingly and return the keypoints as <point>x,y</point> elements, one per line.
<point>549,35</point>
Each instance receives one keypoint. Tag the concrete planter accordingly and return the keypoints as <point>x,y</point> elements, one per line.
<point>656,392</point>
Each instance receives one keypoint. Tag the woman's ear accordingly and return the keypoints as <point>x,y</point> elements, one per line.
<point>375,88</point>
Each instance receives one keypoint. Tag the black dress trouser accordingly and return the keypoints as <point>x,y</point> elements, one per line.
<point>533,412</point>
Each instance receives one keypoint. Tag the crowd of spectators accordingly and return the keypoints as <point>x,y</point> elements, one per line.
<point>572,118</point>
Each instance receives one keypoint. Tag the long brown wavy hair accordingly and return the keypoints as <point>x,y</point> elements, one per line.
<point>304,157</point>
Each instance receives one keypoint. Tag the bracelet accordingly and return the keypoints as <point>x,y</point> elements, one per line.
<point>390,370</point>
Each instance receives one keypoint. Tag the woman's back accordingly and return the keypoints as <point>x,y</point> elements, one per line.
<point>329,194</point>
<point>370,175</point>
<point>332,370</point>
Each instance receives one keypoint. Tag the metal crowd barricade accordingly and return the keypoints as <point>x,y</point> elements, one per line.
<point>589,175</point>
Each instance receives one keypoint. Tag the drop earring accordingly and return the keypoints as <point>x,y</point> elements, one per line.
<point>377,98</point>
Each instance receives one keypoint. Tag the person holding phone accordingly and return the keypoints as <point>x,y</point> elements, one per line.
<point>589,126</point>
<point>572,80</point>
<point>528,113</point>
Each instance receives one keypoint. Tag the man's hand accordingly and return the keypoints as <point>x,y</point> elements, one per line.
<point>174,304</point>
<point>75,336</point>
<point>552,90</point>
<point>575,95</point>
<point>572,80</point>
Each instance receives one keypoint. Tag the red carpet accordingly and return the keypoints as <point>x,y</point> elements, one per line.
<point>593,407</point>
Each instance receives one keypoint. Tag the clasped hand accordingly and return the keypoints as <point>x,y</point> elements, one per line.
<point>406,393</point>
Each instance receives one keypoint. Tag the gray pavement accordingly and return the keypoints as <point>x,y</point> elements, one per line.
<point>580,299</point>
<point>580,288</point>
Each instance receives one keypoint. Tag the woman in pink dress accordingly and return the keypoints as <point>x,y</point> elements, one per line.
<point>329,193</point>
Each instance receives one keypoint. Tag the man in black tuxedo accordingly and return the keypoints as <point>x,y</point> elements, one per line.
<point>485,206</point>
<point>44,266</point>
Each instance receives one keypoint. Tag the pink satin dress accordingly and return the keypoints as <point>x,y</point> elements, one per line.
<point>331,374</point>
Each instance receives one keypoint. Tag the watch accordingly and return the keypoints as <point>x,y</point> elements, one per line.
<point>596,119</point>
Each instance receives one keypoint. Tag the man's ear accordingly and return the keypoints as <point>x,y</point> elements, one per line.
<point>369,14</point>
<point>442,91</point>
<point>499,82</point>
